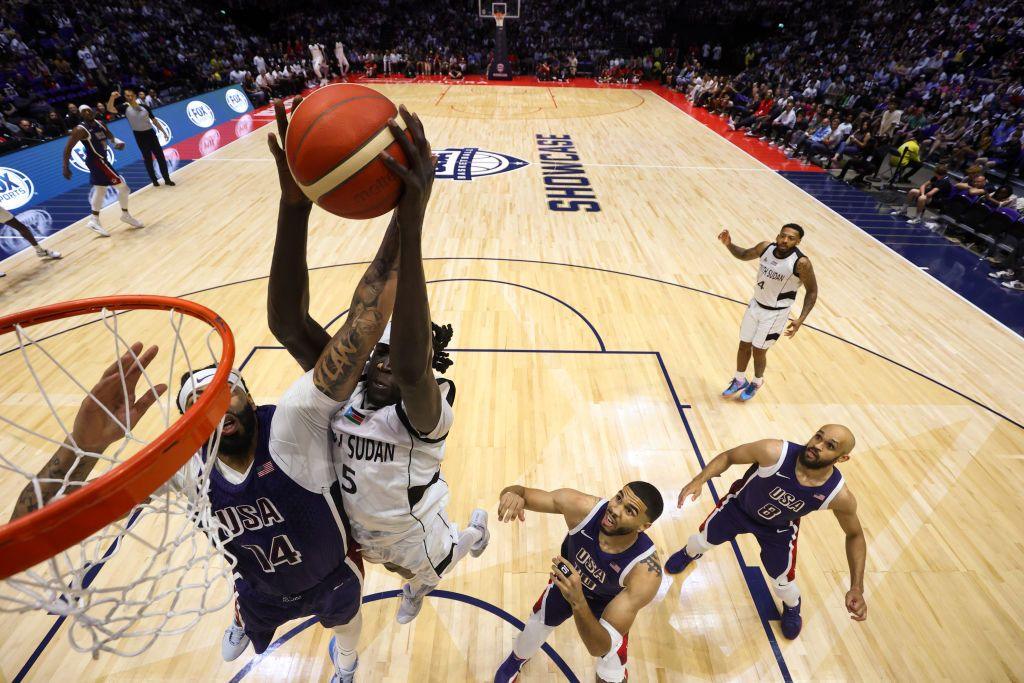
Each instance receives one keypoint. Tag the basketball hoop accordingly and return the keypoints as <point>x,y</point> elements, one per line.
<point>499,18</point>
<point>50,558</point>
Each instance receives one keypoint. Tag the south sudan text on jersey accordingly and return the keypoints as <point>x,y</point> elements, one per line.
<point>358,448</point>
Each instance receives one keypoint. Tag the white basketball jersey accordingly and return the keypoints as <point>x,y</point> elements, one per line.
<point>317,50</point>
<point>777,281</point>
<point>390,473</point>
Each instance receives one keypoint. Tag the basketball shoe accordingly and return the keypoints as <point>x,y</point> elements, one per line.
<point>341,675</point>
<point>509,669</point>
<point>131,220</point>
<point>680,561</point>
<point>94,225</point>
<point>47,254</point>
<point>734,386</point>
<point>234,642</point>
<point>791,621</point>
<point>478,520</point>
<point>410,605</point>
<point>750,390</point>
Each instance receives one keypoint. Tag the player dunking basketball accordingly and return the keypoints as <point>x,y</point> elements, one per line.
<point>783,268</point>
<point>389,433</point>
<point>606,572</point>
<point>784,482</point>
<point>94,136</point>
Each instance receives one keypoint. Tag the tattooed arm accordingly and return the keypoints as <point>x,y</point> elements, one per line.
<point>340,365</point>
<point>93,430</point>
<point>742,254</point>
<point>642,584</point>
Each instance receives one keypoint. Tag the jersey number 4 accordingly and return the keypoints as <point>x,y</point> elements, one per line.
<point>761,284</point>
<point>281,552</point>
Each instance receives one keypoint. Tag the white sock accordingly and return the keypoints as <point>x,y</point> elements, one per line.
<point>96,195</point>
<point>122,195</point>
<point>741,377</point>
<point>346,642</point>
<point>758,381</point>
<point>698,545</point>
<point>787,591</point>
<point>533,636</point>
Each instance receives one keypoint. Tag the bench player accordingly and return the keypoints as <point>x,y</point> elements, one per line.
<point>606,572</point>
<point>784,482</point>
<point>94,136</point>
<point>782,269</point>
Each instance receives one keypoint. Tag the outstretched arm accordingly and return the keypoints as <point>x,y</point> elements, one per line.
<point>411,336</point>
<point>341,363</point>
<point>93,429</point>
<point>765,453</point>
<point>805,272</point>
<point>515,500</point>
<point>288,288</point>
<point>739,252</point>
<point>844,507</point>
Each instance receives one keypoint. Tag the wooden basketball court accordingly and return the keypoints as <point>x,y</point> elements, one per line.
<point>592,350</point>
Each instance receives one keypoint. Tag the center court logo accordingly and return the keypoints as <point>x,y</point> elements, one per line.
<point>199,113</point>
<point>160,135</point>
<point>468,163</point>
<point>236,100</point>
<point>16,188</point>
<point>78,157</point>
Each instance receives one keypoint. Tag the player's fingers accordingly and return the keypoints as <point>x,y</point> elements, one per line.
<point>396,168</point>
<point>123,362</point>
<point>296,101</point>
<point>137,364</point>
<point>403,141</point>
<point>147,400</point>
<point>522,515</point>
<point>280,117</point>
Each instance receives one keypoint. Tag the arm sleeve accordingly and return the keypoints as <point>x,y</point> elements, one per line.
<point>300,436</point>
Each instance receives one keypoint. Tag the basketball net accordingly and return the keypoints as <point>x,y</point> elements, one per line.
<point>499,19</point>
<point>162,566</point>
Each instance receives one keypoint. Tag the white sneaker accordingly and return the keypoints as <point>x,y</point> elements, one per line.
<point>45,253</point>
<point>478,520</point>
<point>409,607</point>
<point>94,225</point>
<point>1001,274</point>
<point>234,642</point>
<point>131,220</point>
<point>341,675</point>
<point>898,212</point>
<point>914,221</point>
<point>1013,284</point>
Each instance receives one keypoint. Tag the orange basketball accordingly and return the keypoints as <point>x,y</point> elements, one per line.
<point>334,138</point>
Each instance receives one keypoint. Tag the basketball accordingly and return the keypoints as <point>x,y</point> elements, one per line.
<point>333,142</point>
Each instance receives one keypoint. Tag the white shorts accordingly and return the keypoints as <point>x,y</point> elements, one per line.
<point>762,327</point>
<point>5,215</point>
<point>422,551</point>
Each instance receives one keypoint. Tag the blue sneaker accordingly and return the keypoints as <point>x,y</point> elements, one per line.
<point>679,561</point>
<point>750,390</point>
<point>734,386</point>
<point>509,669</point>
<point>792,622</point>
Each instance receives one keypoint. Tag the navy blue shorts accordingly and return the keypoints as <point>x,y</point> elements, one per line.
<point>778,544</point>
<point>335,602</point>
<point>555,609</point>
<point>101,173</point>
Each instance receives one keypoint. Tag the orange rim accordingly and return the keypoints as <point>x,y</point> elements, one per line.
<point>53,528</point>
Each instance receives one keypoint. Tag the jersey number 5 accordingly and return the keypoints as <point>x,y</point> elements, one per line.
<point>281,552</point>
<point>348,484</point>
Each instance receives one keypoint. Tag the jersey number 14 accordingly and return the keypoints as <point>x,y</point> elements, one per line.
<point>281,552</point>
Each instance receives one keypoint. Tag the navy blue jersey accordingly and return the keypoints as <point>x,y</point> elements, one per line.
<point>601,573</point>
<point>286,538</point>
<point>772,496</point>
<point>96,144</point>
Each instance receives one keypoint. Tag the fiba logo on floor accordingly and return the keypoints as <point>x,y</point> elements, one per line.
<point>78,157</point>
<point>200,113</point>
<point>163,138</point>
<point>467,163</point>
<point>16,188</point>
<point>236,100</point>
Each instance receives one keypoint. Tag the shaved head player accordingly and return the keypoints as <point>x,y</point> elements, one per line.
<point>784,482</point>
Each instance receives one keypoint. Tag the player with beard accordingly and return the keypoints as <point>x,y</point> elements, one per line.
<point>784,482</point>
<point>606,572</point>
<point>783,268</point>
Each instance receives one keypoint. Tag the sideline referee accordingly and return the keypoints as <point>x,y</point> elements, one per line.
<point>141,119</point>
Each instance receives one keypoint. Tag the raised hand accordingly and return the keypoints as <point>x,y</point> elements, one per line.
<point>94,430</point>
<point>512,506</point>
<point>856,605</point>
<point>291,193</point>
<point>691,491</point>
<point>418,178</point>
<point>725,238</point>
